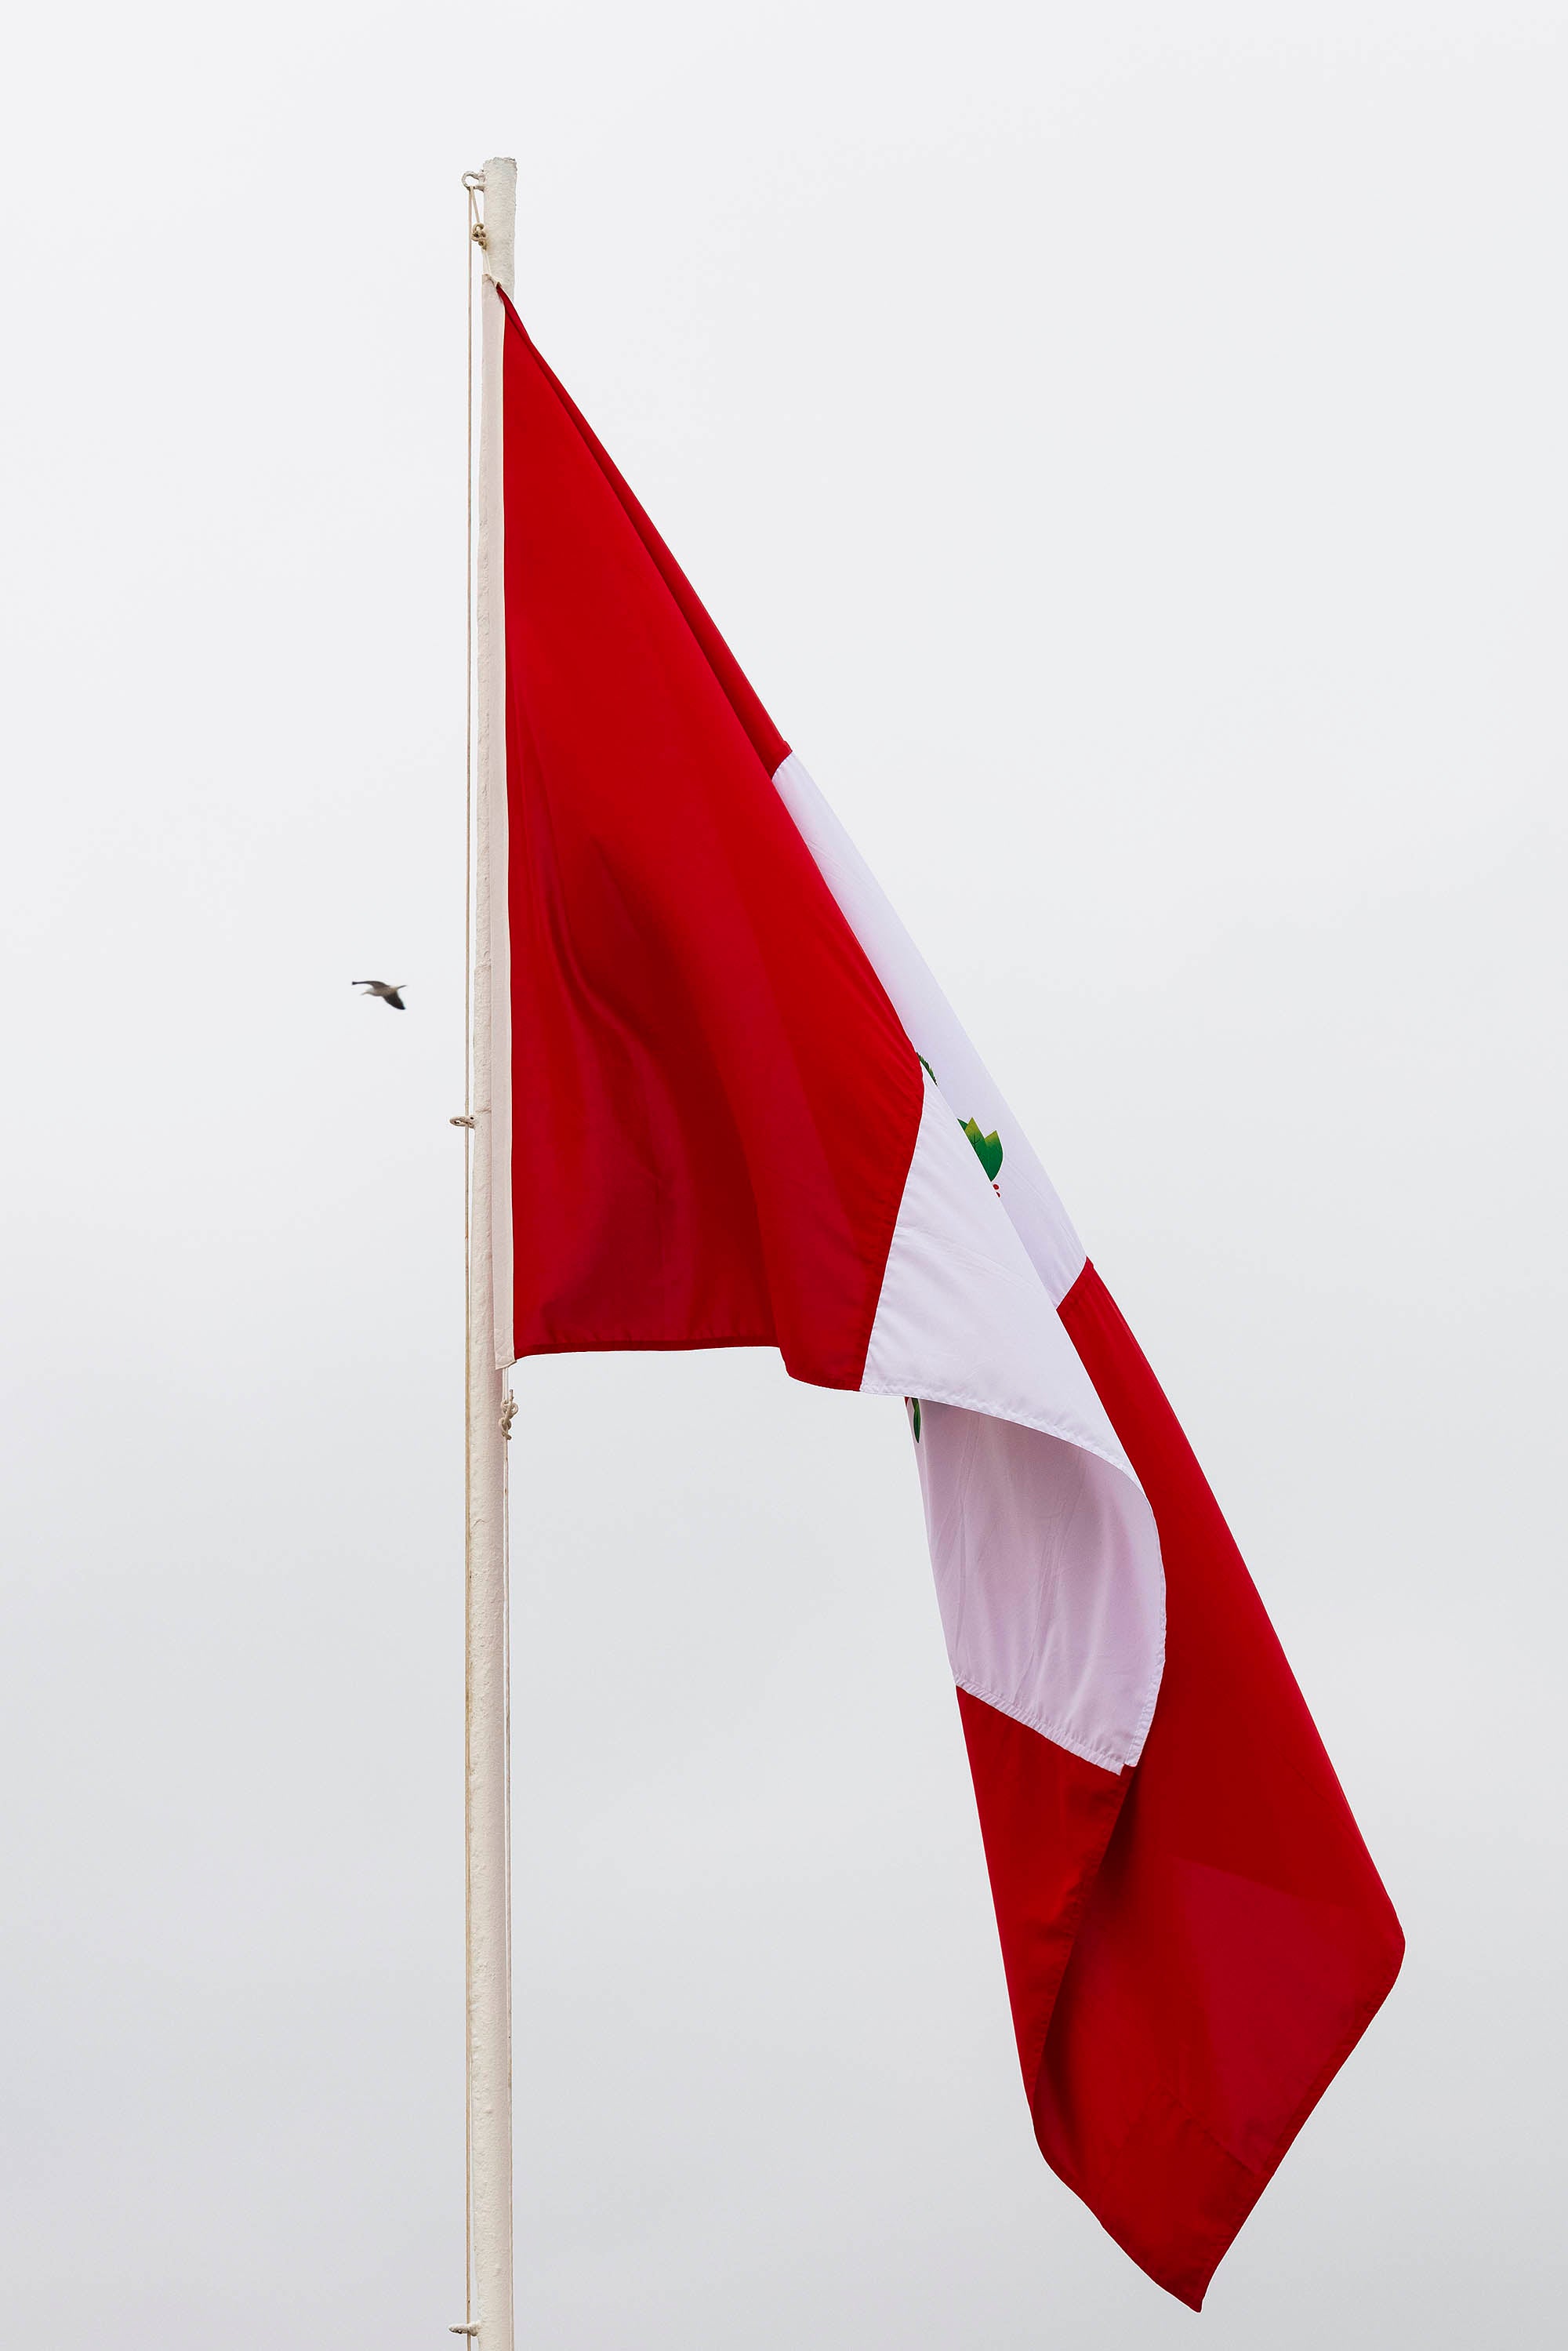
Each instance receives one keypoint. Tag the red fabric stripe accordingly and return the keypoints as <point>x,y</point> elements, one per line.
<point>714,1104</point>
<point>1045,1818</point>
<point>766,740</point>
<point>1236,1939</point>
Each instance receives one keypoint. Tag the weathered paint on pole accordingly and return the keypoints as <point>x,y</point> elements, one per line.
<point>489,1794</point>
<point>501,221</point>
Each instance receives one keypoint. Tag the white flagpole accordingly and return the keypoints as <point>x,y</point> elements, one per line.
<point>488,1821</point>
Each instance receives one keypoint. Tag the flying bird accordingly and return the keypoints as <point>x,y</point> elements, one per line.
<point>387,989</point>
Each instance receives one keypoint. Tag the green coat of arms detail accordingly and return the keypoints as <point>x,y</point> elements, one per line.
<point>987,1149</point>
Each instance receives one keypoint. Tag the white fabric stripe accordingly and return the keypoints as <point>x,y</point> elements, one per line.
<point>493,957</point>
<point>1043,1545</point>
<point>1048,1580</point>
<point>963,1317</point>
<point>1043,1223</point>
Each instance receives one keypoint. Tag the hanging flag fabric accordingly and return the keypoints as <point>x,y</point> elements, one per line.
<point>730,1107</point>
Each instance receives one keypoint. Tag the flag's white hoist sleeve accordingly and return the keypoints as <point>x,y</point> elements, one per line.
<point>493,1024</point>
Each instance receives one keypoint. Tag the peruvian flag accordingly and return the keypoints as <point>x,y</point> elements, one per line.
<point>730,1107</point>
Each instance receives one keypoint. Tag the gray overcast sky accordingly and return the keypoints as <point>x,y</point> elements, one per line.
<point>1126,446</point>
